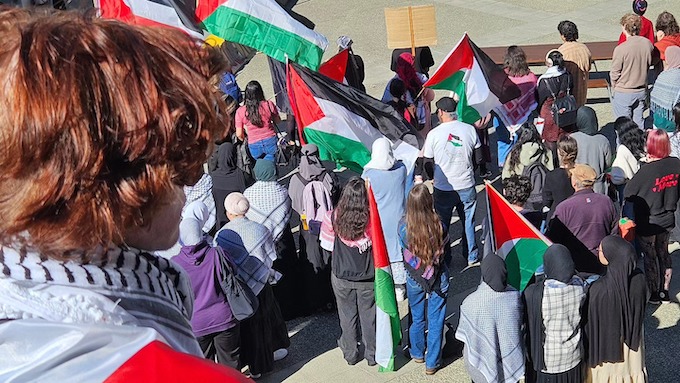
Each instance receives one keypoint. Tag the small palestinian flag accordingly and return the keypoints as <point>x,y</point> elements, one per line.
<point>343,121</point>
<point>265,26</point>
<point>387,322</point>
<point>514,239</point>
<point>455,140</point>
<point>480,84</point>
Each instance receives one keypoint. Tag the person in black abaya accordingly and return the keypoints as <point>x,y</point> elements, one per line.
<point>226,178</point>
<point>616,309</point>
<point>553,317</point>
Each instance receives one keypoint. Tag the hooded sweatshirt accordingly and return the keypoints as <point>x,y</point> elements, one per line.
<point>593,149</point>
<point>212,313</point>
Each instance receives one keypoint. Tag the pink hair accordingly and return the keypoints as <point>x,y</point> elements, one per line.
<point>658,144</point>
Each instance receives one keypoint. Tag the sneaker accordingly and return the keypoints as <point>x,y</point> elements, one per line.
<point>371,363</point>
<point>486,174</point>
<point>400,291</point>
<point>418,360</point>
<point>280,354</point>
<point>431,371</point>
<point>664,296</point>
<point>655,299</point>
<point>255,376</point>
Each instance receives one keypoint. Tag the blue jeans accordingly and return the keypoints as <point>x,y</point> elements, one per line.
<point>264,149</point>
<point>436,314</point>
<point>465,202</point>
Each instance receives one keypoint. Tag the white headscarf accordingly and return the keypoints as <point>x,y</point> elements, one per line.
<point>191,227</point>
<point>382,157</point>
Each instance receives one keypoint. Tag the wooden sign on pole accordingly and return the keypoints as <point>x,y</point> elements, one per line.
<point>411,27</point>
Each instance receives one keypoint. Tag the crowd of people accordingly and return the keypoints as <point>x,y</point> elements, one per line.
<point>109,224</point>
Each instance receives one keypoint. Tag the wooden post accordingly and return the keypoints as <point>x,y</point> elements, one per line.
<point>413,33</point>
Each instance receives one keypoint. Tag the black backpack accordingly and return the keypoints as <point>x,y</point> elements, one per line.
<point>537,173</point>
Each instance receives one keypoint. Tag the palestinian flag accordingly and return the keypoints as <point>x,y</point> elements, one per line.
<point>480,84</point>
<point>514,239</point>
<point>265,26</point>
<point>343,121</point>
<point>387,323</point>
<point>336,66</point>
<point>166,13</point>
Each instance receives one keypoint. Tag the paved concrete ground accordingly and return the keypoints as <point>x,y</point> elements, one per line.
<point>314,356</point>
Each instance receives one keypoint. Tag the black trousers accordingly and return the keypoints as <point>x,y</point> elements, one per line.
<point>356,310</point>
<point>226,345</point>
<point>262,334</point>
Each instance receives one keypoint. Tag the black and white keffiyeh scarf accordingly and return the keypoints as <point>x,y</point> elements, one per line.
<point>122,287</point>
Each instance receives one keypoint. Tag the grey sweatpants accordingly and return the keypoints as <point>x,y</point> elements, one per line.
<point>630,105</point>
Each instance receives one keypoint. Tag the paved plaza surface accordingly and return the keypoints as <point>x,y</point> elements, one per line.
<point>314,356</point>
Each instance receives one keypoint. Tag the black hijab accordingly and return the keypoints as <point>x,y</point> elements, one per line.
<point>558,264</point>
<point>224,169</point>
<point>616,305</point>
<point>494,272</point>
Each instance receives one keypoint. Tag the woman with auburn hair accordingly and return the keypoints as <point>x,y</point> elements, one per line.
<point>344,232</point>
<point>421,236</point>
<point>654,193</point>
<point>99,136</point>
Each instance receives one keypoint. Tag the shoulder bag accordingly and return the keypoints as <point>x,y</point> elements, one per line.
<point>242,301</point>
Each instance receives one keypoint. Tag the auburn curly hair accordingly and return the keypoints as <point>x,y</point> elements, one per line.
<point>98,121</point>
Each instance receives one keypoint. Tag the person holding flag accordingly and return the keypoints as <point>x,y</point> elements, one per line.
<point>345,233</point>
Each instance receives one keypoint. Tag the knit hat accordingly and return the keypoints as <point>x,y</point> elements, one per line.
<point>236,204</point>
<point>584,174</point>
<point>639,7</point>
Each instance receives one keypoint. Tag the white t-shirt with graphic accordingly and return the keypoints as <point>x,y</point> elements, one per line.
<point>452,145</point>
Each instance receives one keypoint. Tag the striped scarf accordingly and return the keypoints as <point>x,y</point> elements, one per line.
<point>666,93</point>
<point>121,287</point>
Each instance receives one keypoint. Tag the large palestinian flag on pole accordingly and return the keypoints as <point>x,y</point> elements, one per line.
<point>164,13</point>
<point>480,84</point>
<point>387,323</point>
<point>265,26</point>
<point>514,239</point>
<point>343,121</point>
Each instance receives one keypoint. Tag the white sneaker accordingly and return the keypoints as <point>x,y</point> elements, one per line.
<point>280,354</point>
<point>400,291</point>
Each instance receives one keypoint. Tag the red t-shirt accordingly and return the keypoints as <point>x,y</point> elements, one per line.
<point>256,133</point>
<point>647,30</point>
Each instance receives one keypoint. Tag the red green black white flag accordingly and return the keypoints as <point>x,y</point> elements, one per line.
<point>480,84</point>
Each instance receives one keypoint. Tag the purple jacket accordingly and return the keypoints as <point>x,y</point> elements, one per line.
<point>580,223</point>
<point>211,311</point>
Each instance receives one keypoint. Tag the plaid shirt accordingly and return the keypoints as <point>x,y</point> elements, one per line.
<point>561,307</point>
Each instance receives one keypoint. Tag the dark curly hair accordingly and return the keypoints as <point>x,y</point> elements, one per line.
<point>101,121</point>
<point>351,214</point>
<point>630,136</point>
<point>515,61</point>
<point>517,189</point>
<point>568,29</point>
